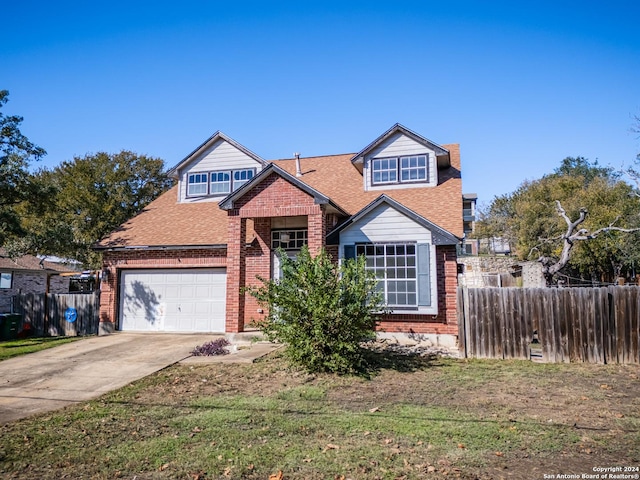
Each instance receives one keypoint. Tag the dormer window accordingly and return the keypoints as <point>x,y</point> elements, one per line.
<point>407,169</point>
<point>197,184</point>
<point>217,183</point>
<point>220,182</point>
<point>240,177</point>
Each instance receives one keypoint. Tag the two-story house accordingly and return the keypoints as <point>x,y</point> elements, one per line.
<point>183,263</point>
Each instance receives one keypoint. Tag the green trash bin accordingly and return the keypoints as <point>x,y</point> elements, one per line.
<point>10,325</point>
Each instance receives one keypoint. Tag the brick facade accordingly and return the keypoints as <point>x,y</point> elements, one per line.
<point>115,261</point>
<point>247,257</point>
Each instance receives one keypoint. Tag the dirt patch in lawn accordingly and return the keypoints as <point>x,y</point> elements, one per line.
<point>414,417</point>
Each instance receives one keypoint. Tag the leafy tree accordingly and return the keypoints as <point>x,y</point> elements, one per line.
<point>321,312</point>
<point>16,152</point>
<point>87,198</point>
<point>550,219</point>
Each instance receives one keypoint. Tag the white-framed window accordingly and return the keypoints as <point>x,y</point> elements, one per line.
<point>240,177</point>
<point>6,280</point>
<point>197,184</point>
<point>220,182</point>
<point>412,168</point>
<point>292,239</point>
<point>384,170</point>
<point>402,270</point>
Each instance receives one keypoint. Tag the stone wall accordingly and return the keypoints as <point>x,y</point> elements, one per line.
<point>494,271</point>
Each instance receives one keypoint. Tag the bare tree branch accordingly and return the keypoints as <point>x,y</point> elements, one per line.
<point>551,266</point>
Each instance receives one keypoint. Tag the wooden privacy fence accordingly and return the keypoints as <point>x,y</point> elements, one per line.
<point>46,313</point>
<point>597,325</point>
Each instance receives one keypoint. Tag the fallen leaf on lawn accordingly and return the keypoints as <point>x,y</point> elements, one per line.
<point>250,466</point>
<point>276,476</point>
<point>619,415</point>
<point>374,409</point>
<point>227,471</point>
<point>196,429</point>
<point>604,386</point>
<point>197,476</point>
<point>306,460</point>
<point>499,454</point>
<point>366,433</point>
<point>387,441</point>
<point>461,445</point>
<point>164,467</point>
<point>331,446</point>
<point>431,469</point>
<point>339,477</point>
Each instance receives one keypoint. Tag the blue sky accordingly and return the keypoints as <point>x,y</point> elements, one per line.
<point>520,85</point>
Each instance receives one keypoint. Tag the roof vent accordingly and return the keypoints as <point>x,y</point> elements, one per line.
<point>298,169</point>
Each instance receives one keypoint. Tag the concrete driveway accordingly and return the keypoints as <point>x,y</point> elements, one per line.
<point>78,371</point>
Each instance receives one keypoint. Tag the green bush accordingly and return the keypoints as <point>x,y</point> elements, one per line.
<point>321,312</point>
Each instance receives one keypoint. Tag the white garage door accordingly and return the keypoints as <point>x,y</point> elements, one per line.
<point>173,300</point>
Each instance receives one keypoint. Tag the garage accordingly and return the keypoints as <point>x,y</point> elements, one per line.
<point>173,300</point>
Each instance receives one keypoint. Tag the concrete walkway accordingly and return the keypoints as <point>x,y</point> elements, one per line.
<point>82,370</point>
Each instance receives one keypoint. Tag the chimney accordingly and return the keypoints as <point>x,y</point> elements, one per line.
<point>298,169</point>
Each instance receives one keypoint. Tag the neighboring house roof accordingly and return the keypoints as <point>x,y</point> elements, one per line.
<point>173,172</point>
<point>31,263</point>
<point>166,223</point>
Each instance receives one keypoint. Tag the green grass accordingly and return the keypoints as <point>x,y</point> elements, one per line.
<point>14,348</point>
<point>441,419</point>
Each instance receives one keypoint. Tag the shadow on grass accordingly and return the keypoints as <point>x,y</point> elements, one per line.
<point>379,359</point>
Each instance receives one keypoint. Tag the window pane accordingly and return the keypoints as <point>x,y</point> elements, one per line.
<point>5,280</point>
<point>389,263</point>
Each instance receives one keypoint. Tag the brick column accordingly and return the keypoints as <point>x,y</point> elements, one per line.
<point>236,259</point>
<point>450,286</point>
<point>316,224</point>
<point>108,305</point>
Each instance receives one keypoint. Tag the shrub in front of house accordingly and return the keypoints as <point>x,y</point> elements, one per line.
<point>322,312</point>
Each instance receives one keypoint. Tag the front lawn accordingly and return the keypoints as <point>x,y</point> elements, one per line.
<point>416,418</point>
<point>13,348</point>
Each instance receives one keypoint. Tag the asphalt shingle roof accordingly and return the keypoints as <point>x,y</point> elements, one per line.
<point>165,222</point>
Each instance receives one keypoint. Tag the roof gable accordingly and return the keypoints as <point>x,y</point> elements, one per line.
<point>229,201</point>
<point>210,142</point>
<point>440,235</point>
<point>442,153</point>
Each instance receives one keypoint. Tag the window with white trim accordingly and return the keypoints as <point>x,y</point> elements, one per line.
<point>292,239</point>
<point>395,269</point>
<point>240,177</point>
<point>197,184</point>
<point>402,270</point>
<point>220,182</point>
<point>384,170</point>
<point>412,168</point>
<point>5,279</point>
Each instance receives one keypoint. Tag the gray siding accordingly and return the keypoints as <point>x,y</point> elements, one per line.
<point>396,146</point>
<point>220,156</point>
<point>385,224</point>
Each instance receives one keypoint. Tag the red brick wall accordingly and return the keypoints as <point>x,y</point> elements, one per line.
<point>273,197</point>
<point>446,322</point>
<point>115,261</point>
